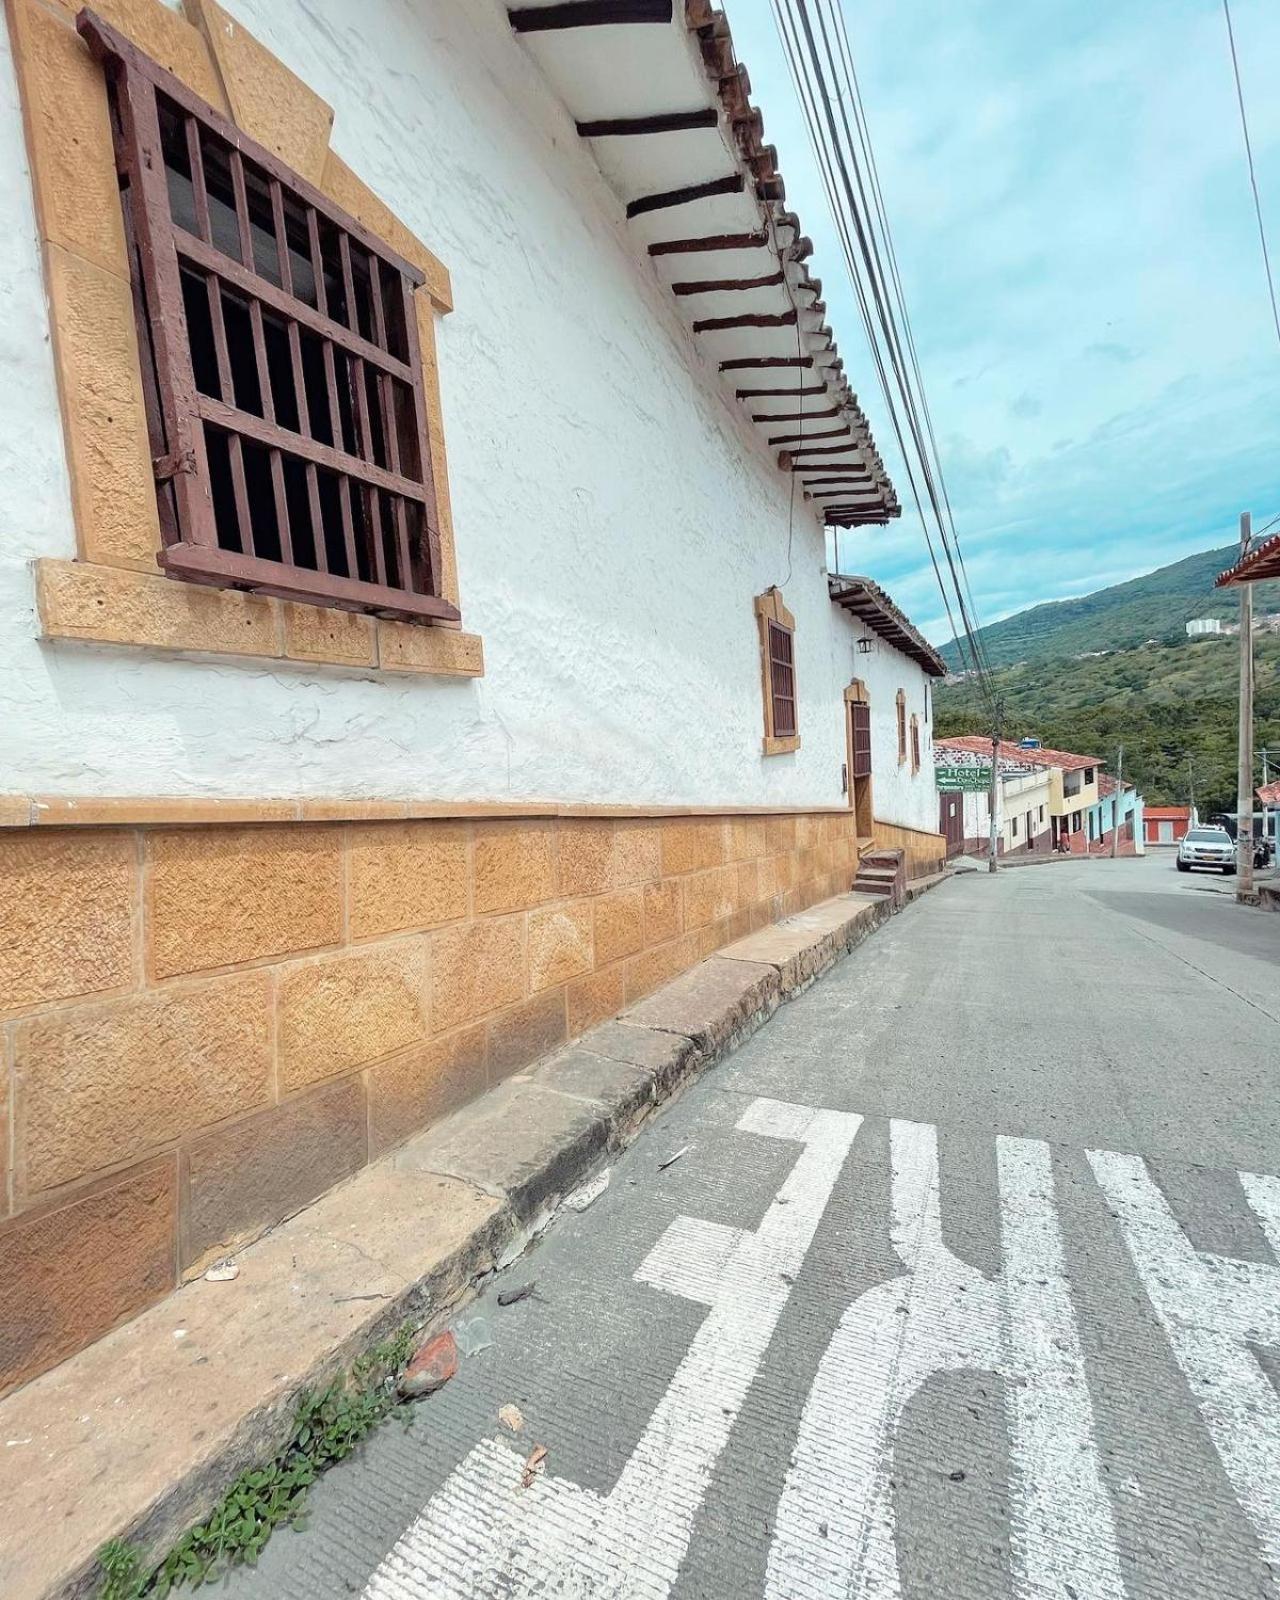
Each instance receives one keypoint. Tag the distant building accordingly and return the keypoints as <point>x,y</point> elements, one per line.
<point>1166,824</point>
<point>1071,790</point>
<point>1269,795</point>
<point>1203,625</point>
<point>1117,807</point>
<point>1044,795</point>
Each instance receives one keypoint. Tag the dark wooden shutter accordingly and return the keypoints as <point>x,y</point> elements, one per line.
<point>915,745</point>
<point>860,716</point>
<point>282,368</point>
<point>782,681</point>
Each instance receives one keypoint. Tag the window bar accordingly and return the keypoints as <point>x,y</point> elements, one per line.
<point>286,279</point>
<point>360,416</point>
<point>348,525</point>
<point>213,289</point>
<point>377,530</point>
<point>141,156</point>
<point>390,427</point>
<point>430,534</point>
<point>322,302</point>
<point>313,482</point>
<point>277,466</point>
<point>199,189</point>
<point>348,281</point>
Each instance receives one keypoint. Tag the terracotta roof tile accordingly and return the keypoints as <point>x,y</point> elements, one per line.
<point>1037,757</point>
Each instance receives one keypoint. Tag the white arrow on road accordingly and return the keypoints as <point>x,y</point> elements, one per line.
<point>942,1317</point>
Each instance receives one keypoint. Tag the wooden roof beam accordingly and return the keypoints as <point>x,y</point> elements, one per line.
<point>670,122</point>
<point>827,433</point>
<point>716,285</point>
<point>589,14</point>
<point>781,394</point>
<point>744,363</point>
<point>734,183</point>
<point>715,241</point>
<point>747,319</point>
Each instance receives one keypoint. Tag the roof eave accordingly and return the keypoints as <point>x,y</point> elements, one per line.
<point>718,232</point>
<point>865,599</point>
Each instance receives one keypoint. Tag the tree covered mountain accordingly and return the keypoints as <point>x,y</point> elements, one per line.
<point>1171,704</point>
<point>1154,606</point>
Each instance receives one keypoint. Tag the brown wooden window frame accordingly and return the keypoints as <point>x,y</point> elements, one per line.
<point>782,679</point>
<point>372,520</point>
<point>858,741</point>
<point>777,629</point>
<point>860,730</point>
<point>902,727</point>
<point>915,743</point>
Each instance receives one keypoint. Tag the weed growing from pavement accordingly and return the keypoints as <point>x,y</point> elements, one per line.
<point>327,1427</point>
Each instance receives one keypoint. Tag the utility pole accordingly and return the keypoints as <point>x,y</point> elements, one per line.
<point>994,798</point>
<point>1244,776</point>
<point>1119,801</point>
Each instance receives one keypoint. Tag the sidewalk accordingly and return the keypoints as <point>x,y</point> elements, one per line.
<point>138,1435</point>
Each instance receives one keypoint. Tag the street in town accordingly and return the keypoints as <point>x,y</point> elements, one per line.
<point>960,1278</point>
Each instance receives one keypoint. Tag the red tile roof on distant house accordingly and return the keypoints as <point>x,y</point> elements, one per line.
<point>1167,813</point>
<point>1108,785</point>
<point>1036,757</point>
<point>1269,793</point>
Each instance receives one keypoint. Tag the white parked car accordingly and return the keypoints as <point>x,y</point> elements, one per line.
<point>1207,847</point>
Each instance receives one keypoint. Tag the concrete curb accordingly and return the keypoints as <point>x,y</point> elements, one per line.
<point>137,1436</point>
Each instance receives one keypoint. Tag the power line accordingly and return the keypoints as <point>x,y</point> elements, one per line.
<point>1253,179</point>
<point>876,288</point>
<point>808,103</point>
<point>860,116</point>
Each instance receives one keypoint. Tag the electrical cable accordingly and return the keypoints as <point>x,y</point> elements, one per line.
<point>871,285</point>
<point>808,102</point>
<point>886,232</point>
<point>879,283</point>
<point>1253,179</point>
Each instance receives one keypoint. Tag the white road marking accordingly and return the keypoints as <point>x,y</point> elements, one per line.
<point>941,1317</point>
<point>482,1535</point>
<point>1212,1309</point>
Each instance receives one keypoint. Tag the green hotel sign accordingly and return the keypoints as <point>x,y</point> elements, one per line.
<point>970,780</point>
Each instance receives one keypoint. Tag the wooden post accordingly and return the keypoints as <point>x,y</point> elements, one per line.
<point>1119,801</point>
<point>993,799</point>
<point>1244,777</point>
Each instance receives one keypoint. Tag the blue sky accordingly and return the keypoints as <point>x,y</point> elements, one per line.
<point>1074,228</point>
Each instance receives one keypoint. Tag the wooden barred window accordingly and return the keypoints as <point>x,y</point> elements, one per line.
<point>782,680</point>
<point>915,743</point>
<point>860,721</point>
<point>778,673</point>
<point>281,366</point>
<point>902,727</point>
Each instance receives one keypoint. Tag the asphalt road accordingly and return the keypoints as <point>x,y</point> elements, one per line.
<point>965,1285</point>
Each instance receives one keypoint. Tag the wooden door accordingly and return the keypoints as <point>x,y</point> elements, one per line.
<point>951,820</point>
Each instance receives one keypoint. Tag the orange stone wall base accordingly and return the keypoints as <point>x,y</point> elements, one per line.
<point>202,1028</point>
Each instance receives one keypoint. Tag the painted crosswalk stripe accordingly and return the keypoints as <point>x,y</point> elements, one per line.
<point>1212,1310</point>
<point>484,1536</point>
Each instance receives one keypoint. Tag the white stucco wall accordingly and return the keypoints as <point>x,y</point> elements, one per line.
<point>1017,796</point>
<point>614,515</point>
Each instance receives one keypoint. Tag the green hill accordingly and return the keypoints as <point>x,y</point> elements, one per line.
<point>1154,606</point>
<point>1168,703</point>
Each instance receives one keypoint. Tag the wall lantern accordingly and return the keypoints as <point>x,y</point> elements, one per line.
<point>864,647</point>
